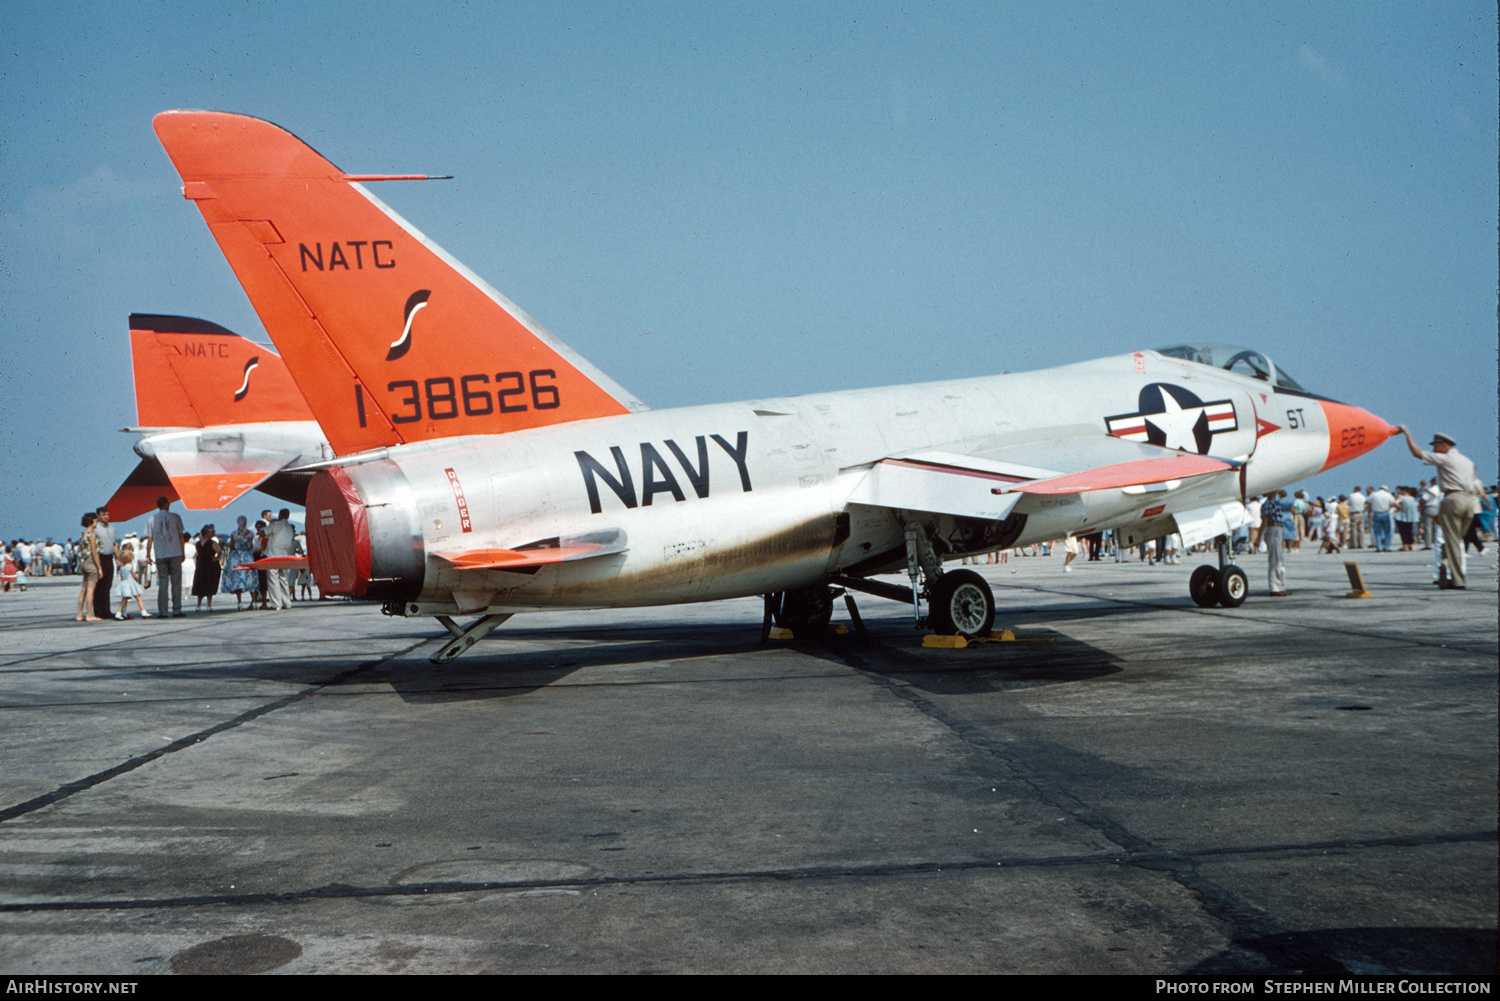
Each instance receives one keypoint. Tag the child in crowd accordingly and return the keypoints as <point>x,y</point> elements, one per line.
<point>126,584</point>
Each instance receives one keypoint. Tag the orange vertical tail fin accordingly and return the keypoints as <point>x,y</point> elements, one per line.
<point>192,373</point>
<point>389,338</point>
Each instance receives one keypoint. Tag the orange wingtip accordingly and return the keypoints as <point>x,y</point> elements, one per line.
<point>1124,474</point>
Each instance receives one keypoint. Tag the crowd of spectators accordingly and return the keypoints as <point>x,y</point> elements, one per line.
<point>116,571</point>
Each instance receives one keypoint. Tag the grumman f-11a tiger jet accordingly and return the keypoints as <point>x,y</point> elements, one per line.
<point>485,468</point>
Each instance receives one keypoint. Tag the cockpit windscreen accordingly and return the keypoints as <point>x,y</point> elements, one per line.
<point>1232,358</point>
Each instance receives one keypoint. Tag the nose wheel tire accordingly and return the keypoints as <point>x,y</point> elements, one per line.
<point>961,603</point>
<point>1234,586</point>
<point>1204,586</point>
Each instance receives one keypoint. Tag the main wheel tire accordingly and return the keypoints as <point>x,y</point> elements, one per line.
<point>805,610</point>
<point>962,603</point>
<point>1204,586</point>
<point>1234,587</point>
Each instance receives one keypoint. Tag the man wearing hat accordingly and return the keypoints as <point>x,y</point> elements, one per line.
<point>1460,502</point>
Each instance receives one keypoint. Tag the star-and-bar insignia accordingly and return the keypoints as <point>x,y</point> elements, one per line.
<point>1173,417</point>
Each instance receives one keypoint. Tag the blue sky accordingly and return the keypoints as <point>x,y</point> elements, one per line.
<point>723,201</point>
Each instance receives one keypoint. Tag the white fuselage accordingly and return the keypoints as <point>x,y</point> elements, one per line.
<point>756,496</point>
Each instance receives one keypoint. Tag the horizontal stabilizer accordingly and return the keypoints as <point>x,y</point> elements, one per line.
<point>275,563</point>
<point>138,493</point>
<point>213,480</point>
<point>539,554</point>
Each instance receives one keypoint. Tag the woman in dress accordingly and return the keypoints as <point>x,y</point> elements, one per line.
<point>241,550</point>
<point>206,568</point>
<point>88,566</point>
<point>1408,515</point>
<point>189,556</point>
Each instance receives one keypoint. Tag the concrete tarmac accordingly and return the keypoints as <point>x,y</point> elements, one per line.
<point>1135,785</point>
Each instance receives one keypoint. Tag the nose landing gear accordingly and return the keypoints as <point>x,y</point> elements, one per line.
<point>1224,585</point>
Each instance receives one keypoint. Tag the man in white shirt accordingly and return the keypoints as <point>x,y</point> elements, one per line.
<point>1432,504</point>
<point>164,545</point>
<point>1379,504</point>
<point>280,541</point>
<point>1356,519</point>
<point>104,535</point>
<point>1460,500</point>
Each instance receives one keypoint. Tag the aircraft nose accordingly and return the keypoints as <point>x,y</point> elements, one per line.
<point>1352,432</point>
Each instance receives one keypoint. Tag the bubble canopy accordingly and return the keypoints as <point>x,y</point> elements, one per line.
<point>1233,358</point>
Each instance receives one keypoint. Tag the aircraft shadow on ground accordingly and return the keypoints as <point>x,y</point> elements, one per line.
<point>496,668</point>
<point>1039,656</point>
<point>1343,951</point>
<point>489,672</point>
<point>894,649</point>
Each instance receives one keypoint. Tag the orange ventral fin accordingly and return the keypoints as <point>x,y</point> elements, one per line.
<point>215,491</point>
<point>211,480</point>
<point>390,339</point>
<point>138,493</point>
<point>192,373</point>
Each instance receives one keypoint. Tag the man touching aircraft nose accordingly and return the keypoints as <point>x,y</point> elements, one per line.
<point>1456,479</point>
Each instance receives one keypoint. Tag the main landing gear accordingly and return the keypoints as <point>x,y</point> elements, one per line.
<point>807,611</point>
<point>959,602</point>
<point>1224,585</point>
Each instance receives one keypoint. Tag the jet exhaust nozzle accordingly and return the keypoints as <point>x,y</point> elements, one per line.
<point>363,539</point>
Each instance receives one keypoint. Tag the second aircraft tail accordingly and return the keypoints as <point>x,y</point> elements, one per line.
<point>190,373</point>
